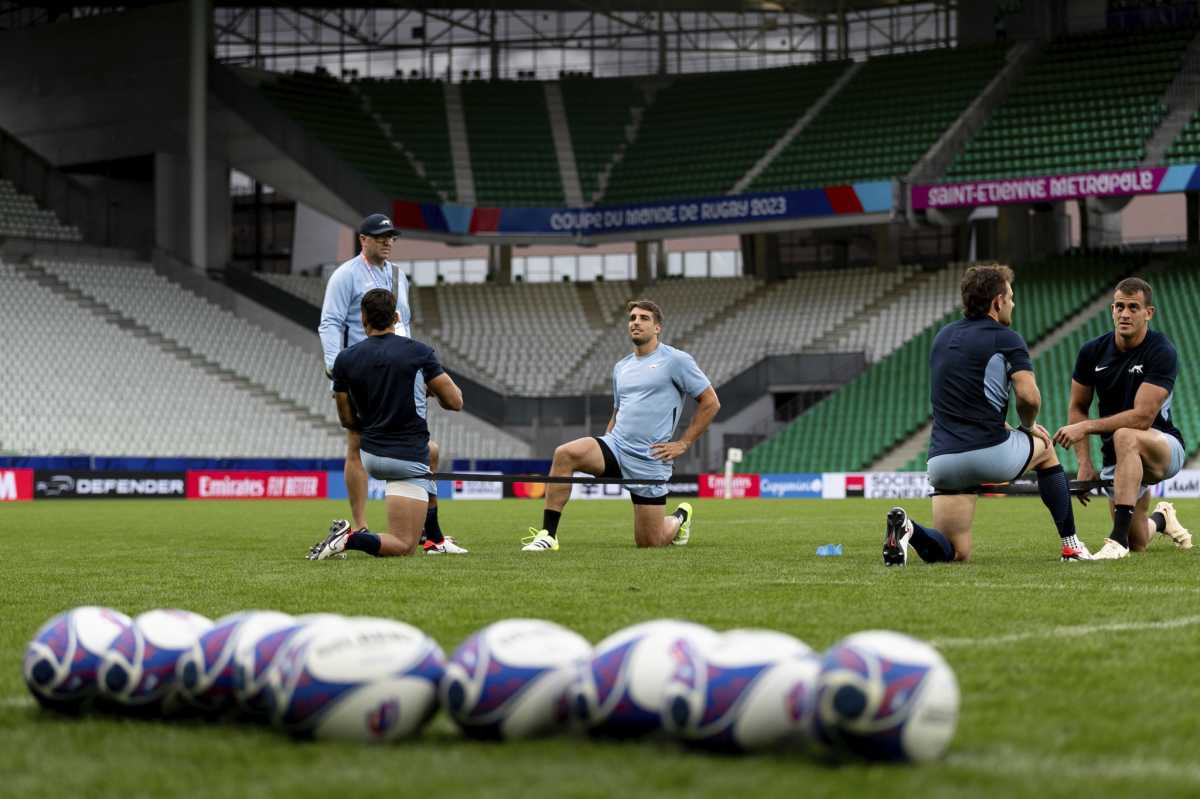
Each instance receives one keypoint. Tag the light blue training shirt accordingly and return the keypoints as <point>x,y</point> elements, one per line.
<point>341,314</point>
<point>648,395</point>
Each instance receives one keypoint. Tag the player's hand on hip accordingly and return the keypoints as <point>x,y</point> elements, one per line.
<point>1070,435</point>
<point>668,450</point>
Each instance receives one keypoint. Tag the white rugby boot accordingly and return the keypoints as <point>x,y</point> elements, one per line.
<point>334,544</point>
<point>1174,530</point>
<point>539,541</point>
<point>1111,551</point>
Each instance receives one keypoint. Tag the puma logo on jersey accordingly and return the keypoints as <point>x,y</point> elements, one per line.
<point>1136,369</point>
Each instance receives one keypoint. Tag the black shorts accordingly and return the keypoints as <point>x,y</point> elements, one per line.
<point>613,469</point>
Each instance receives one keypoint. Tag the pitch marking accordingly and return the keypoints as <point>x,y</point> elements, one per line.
<point>1007,761</point>
<point>1074,631</point>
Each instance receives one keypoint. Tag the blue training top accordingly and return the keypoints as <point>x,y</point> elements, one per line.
<point>385,377</point>
<point>1116,377</point>
<point>341,313</point>
<point>971,366</point>
<point>648,395</point>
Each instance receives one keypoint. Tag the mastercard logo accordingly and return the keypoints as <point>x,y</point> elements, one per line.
<point>529,490</point>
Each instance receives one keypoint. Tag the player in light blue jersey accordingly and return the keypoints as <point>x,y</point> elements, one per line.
<point>648,390</point>
<point>341,327</point>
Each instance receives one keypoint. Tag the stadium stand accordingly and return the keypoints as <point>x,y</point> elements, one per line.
<point>415,111</point>
<point>523,337</point>
<point>336,116</point>
<point>1186,147</point>
<point>21,216</point>
<point>599,112</point>
<point>788,317</point>
<point>847,431</point>
<point>512,148</point>
<point>687,305</point>
<point>704,132</point>
<point>267,362</point>
<point>884,120</point>
<point>925,299</point>
<point>115,393</point>
<point>1090,102</point>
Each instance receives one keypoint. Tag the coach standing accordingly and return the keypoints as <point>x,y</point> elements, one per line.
<point>341,327</point>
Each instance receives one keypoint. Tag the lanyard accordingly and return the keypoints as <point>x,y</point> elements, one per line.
<point>374,279</point>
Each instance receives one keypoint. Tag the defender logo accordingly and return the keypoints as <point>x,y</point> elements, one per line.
<point>1136,369</point>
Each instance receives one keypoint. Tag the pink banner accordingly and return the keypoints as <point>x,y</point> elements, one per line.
<point>255,485</point>
<point>1044,189</point>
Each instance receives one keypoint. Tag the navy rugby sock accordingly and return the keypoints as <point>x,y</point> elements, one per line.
<point>1056,496</point>
<point>930,544</point>
<point>1122,519</point>
<point>433,530</point>
<point>364,541</point>
<point>550,521</point>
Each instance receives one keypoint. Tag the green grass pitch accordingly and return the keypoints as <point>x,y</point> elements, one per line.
<point>1077,679</point>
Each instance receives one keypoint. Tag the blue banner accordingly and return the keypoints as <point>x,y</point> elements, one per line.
<point>795,485</point>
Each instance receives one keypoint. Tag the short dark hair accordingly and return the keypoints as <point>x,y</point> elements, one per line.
<point>646,305</point>
<point>1132,285</point>
<point>980,285</point>
<point>379,308</point>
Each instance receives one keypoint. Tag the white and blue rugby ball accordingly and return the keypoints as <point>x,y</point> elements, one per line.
<point>205,673</point>
<point>619,693</point>
<point>727,695</point>
<point>62,660</point>
<point>360,679</point>
<point>885,696</point>
<point>137,672</point>
<point>508,680</point>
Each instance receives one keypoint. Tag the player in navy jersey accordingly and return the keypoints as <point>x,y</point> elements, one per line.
<point>381,385</point>
<point>975,363</point>
<point>340,327</point>
<point>648,389</point>
<point>1133,371</point>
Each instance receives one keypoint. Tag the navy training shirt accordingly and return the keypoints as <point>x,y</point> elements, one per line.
<point>971,366</point>
<point>385,377</point>
<point>1116,376</point>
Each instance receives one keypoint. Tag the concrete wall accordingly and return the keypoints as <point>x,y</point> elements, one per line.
<point>93,90</point>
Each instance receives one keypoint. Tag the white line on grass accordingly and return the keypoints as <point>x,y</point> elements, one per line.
<point>1074,631</point>
<point>1008,761</point>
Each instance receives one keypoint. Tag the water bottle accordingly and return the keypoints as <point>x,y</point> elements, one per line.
<point>829,550</point>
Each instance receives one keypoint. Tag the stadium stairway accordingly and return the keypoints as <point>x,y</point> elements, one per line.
<point>858,424</point>
<point>319,424</point>
<point>460,146</point>
<point>563,151</point>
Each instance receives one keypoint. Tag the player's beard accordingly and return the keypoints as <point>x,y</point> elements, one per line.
<point>640,338</point>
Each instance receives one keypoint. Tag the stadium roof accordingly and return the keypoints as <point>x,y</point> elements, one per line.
<point>809,7</point>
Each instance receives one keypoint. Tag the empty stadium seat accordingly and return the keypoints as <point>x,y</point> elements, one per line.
<point>888,116</point>
<point>331,111</point>
<point>137,292</point>
<point>1089,102</point>
<point>702,133</point>
<point>21,216</point>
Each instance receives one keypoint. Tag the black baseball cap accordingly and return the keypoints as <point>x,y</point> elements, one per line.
<point>377,225</point>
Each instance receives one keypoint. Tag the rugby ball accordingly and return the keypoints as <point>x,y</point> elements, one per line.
<point>619,692</point>
<point>726,695</point>
<point>885,696</point>
<point>62,660</point>
<point>137,672</point>
<point>508,680</point>
<point>361,679</point>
